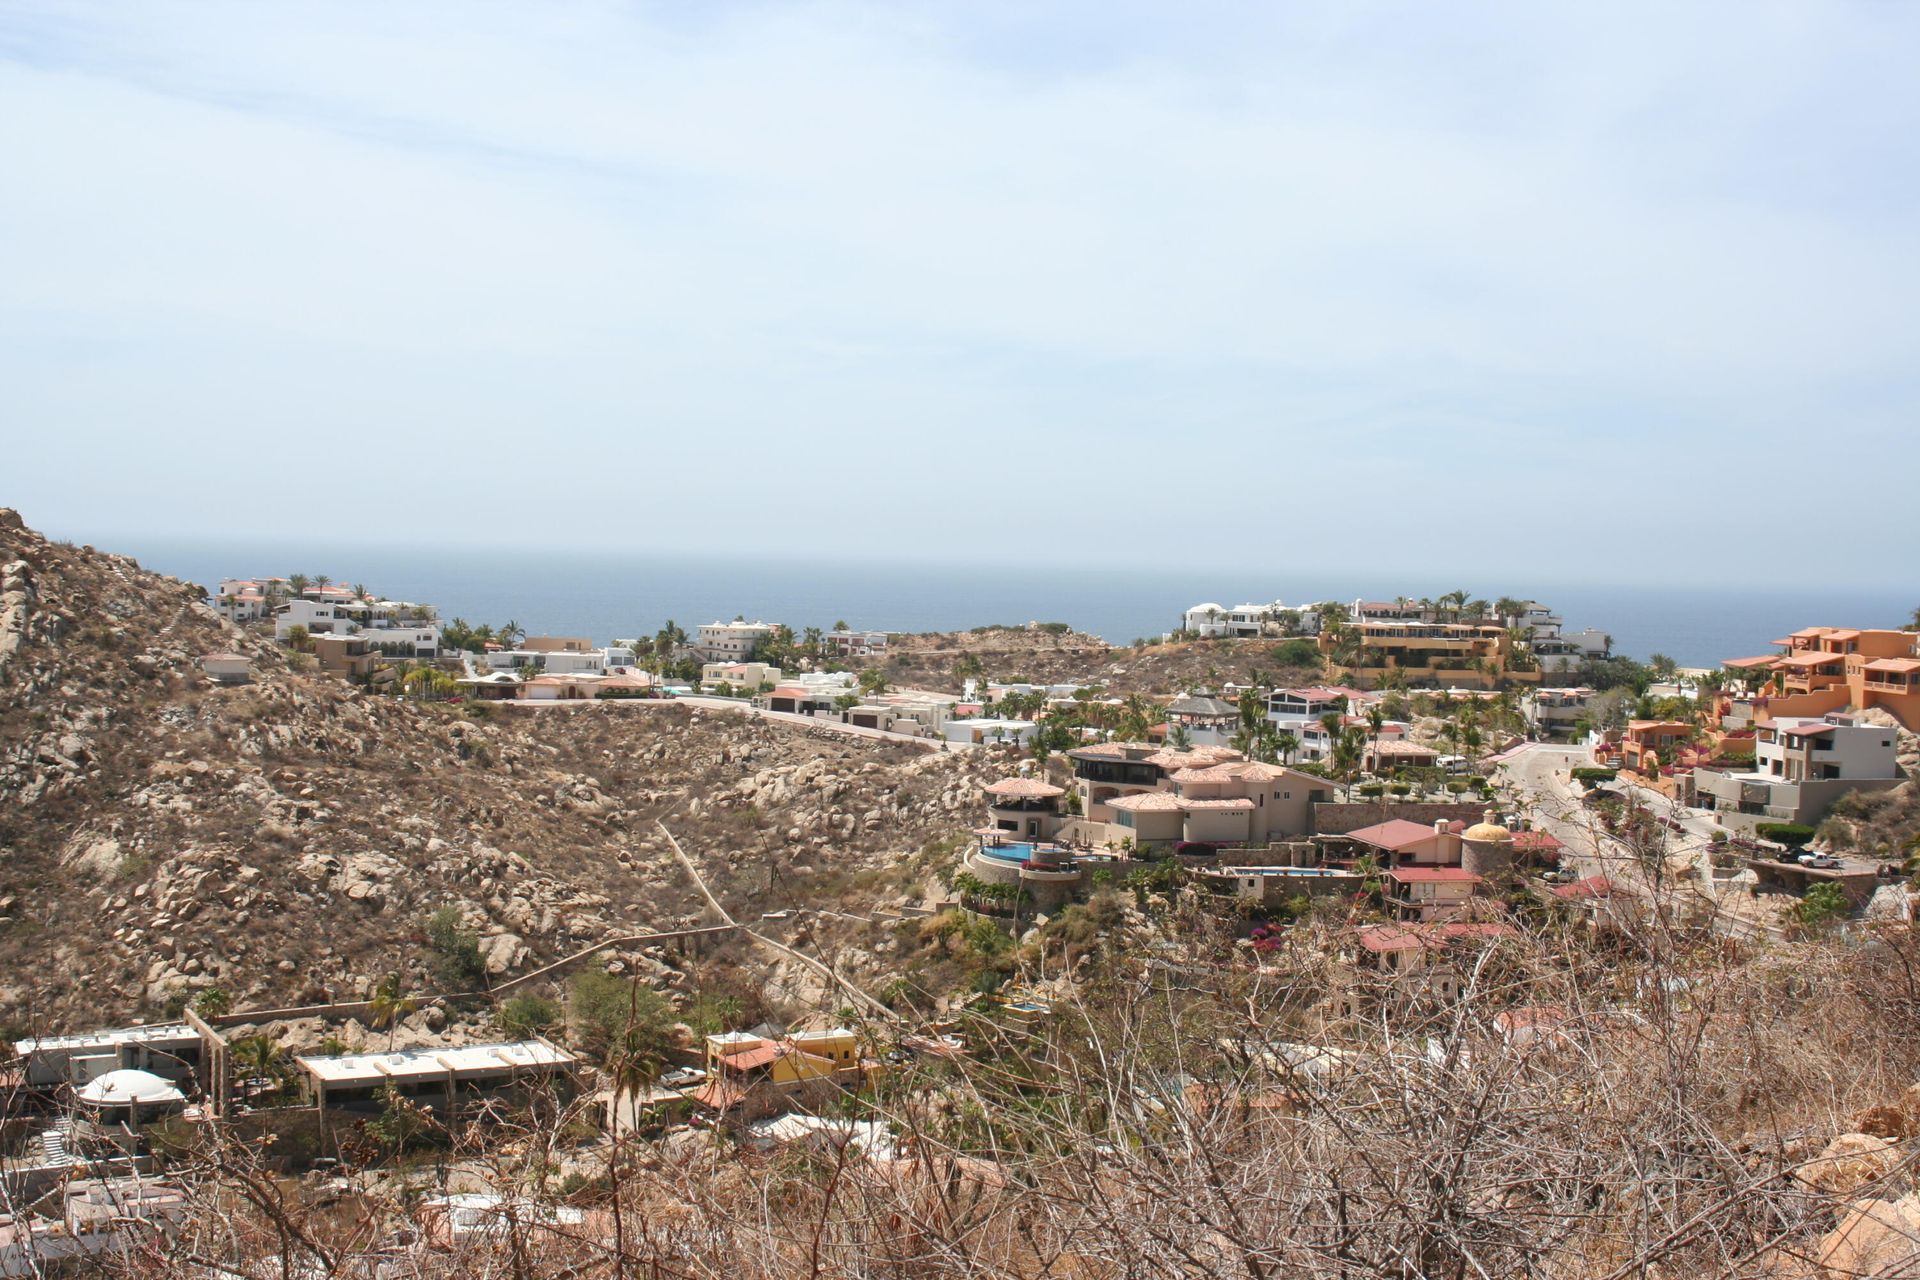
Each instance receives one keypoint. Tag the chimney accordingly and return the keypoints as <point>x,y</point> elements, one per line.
<point>1439,826</point>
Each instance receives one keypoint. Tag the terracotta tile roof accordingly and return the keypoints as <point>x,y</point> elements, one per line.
<point>1432,875</point>
<point>1146,802</point>
<point>1809,659</point>
<point>747,1059</point>
<point>1749,664</point>
<point>1240,802</point>
<point>1031,787</point>
<point>1194,758</point>
<point>1414,937</point>
<point>1591,887</point>
<point>1536,840</point>
<point>1318,693</point>
<point>1894,664</point>
<point>1394,834</point>
<point>1106,750</point>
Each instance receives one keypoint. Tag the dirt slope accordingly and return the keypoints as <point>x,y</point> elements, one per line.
<point>289,838</point>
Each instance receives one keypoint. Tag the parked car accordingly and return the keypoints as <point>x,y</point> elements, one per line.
<point>1824,861</point>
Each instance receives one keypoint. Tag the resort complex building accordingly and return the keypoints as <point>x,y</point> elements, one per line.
<point>1478,656</point>
<point>1826,669</point>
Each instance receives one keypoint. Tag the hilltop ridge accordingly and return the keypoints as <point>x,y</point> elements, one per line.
<point>288,839</point>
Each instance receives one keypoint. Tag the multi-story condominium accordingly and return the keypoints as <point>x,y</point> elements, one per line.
<point>1826,669</point>
<point>402,641</point>
<point>317,618</point>
<point>730,641</point>
<point>748,675</point>
<point>1801,765</point>
<point>1567,651</point>
<point>855,644</point>
<point>1251,619</point>
<point>241,602</point>
<point>1153,796</point>
<point>1207,721</point>
<point>1553,713</point>
<point>1434,653</point>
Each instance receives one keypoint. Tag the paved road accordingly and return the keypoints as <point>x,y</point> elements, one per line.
<point>1540,773</point>
<point>746,708</point>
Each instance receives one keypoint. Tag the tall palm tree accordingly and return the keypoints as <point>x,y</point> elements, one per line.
<point>1376,721</point>
<point>322,580</point>
<point>389,1005</point>
<point>511,634</point>
<point>1286,743</point>
<point>298,583</point>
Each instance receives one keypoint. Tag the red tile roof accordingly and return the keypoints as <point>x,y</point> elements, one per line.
<point>1542,841</point>
<point>747,1059</point>
<point>1413,937</point>
<point>1397,833</point>
<point>1591,887</point>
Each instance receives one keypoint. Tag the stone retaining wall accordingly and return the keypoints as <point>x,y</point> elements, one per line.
<point>1334,818</point>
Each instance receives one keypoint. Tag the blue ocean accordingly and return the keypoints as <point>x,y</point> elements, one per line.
<point>608,594</point>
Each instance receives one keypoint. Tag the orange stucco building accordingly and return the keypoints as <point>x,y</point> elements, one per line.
<point>1825,669</point>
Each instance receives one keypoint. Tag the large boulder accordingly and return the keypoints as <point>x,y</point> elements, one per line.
<point>1848,1163</point>
<point>1875,1238</point>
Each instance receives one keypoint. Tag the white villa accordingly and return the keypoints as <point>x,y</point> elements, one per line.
<point>730,641</point>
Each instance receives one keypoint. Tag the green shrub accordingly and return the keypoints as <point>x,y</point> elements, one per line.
<point>1591,776</point>
<point>456,951</point>
<point>1371,789</point>
<point>528,1015</point>
<point>1297,652</point>
<point>1791,834</point>
<point>1824,902</point>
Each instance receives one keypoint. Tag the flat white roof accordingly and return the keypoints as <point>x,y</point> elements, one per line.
<point>109,1039</point>
<point>420,1064</point>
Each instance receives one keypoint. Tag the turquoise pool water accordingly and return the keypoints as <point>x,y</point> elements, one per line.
<point>1012,851</point>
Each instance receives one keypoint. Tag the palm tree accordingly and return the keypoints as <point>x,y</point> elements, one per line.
<point>322,580</point>
<point>258,1056</point>
<point>360,590</point>
<point>298,583</point>
<point>511,634</point>
<point>1285,744</point>
<point>1376,721</point>
<point>389,1005</point>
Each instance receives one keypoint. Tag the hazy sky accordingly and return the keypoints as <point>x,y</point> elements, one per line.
<point>1367,285</point>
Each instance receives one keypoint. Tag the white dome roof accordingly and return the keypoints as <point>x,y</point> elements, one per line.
<point>119,1088</point>
<point>1203,608</point>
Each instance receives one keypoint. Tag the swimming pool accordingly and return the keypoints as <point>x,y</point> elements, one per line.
<point>1284,871</point>
<point>1012,851</point>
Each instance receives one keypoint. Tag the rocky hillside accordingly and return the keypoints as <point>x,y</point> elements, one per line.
<point>289,838</point>
<point>941,660</point>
